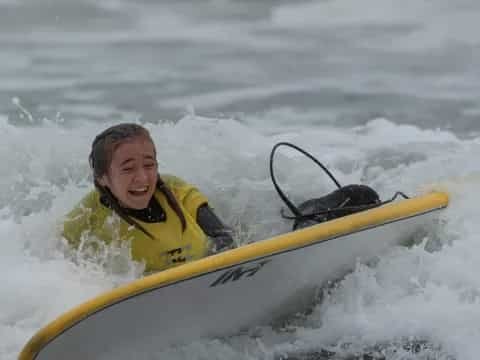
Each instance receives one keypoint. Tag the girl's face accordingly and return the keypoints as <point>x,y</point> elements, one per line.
<point>132,176</point>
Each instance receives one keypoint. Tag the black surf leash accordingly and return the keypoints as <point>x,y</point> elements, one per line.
<point>297,214</point>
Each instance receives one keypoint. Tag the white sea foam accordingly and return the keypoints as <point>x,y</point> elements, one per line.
<point>408,293</point>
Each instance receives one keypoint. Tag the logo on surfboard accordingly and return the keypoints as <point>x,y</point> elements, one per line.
<point>238,273</point>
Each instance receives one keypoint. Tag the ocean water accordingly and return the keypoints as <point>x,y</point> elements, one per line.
<point>385,93</point>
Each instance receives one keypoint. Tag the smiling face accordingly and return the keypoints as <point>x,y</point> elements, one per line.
<point>132,174</point>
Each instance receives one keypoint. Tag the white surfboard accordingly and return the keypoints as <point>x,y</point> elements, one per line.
<point>225,293</point>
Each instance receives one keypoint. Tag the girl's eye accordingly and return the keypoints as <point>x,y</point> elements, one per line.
<point>149,166</point>
<point>129,169</point>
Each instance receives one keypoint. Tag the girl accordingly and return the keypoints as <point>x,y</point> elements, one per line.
<point>167,221</point>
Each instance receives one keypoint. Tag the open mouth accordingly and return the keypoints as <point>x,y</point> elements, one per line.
<point>139,191</point>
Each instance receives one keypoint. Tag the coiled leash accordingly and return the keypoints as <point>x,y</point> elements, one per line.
<point>345,200</point>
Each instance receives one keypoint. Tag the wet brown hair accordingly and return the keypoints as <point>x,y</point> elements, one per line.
<point>100,158</point>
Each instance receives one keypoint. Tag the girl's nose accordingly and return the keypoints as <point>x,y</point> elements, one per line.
<point>141,174</point>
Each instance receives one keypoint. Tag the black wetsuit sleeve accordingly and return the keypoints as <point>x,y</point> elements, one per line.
<point>220,234</point>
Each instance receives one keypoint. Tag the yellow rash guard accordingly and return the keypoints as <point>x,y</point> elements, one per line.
<point>170,246</point>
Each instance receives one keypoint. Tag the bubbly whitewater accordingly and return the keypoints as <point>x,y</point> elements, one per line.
<point>385,94</point>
